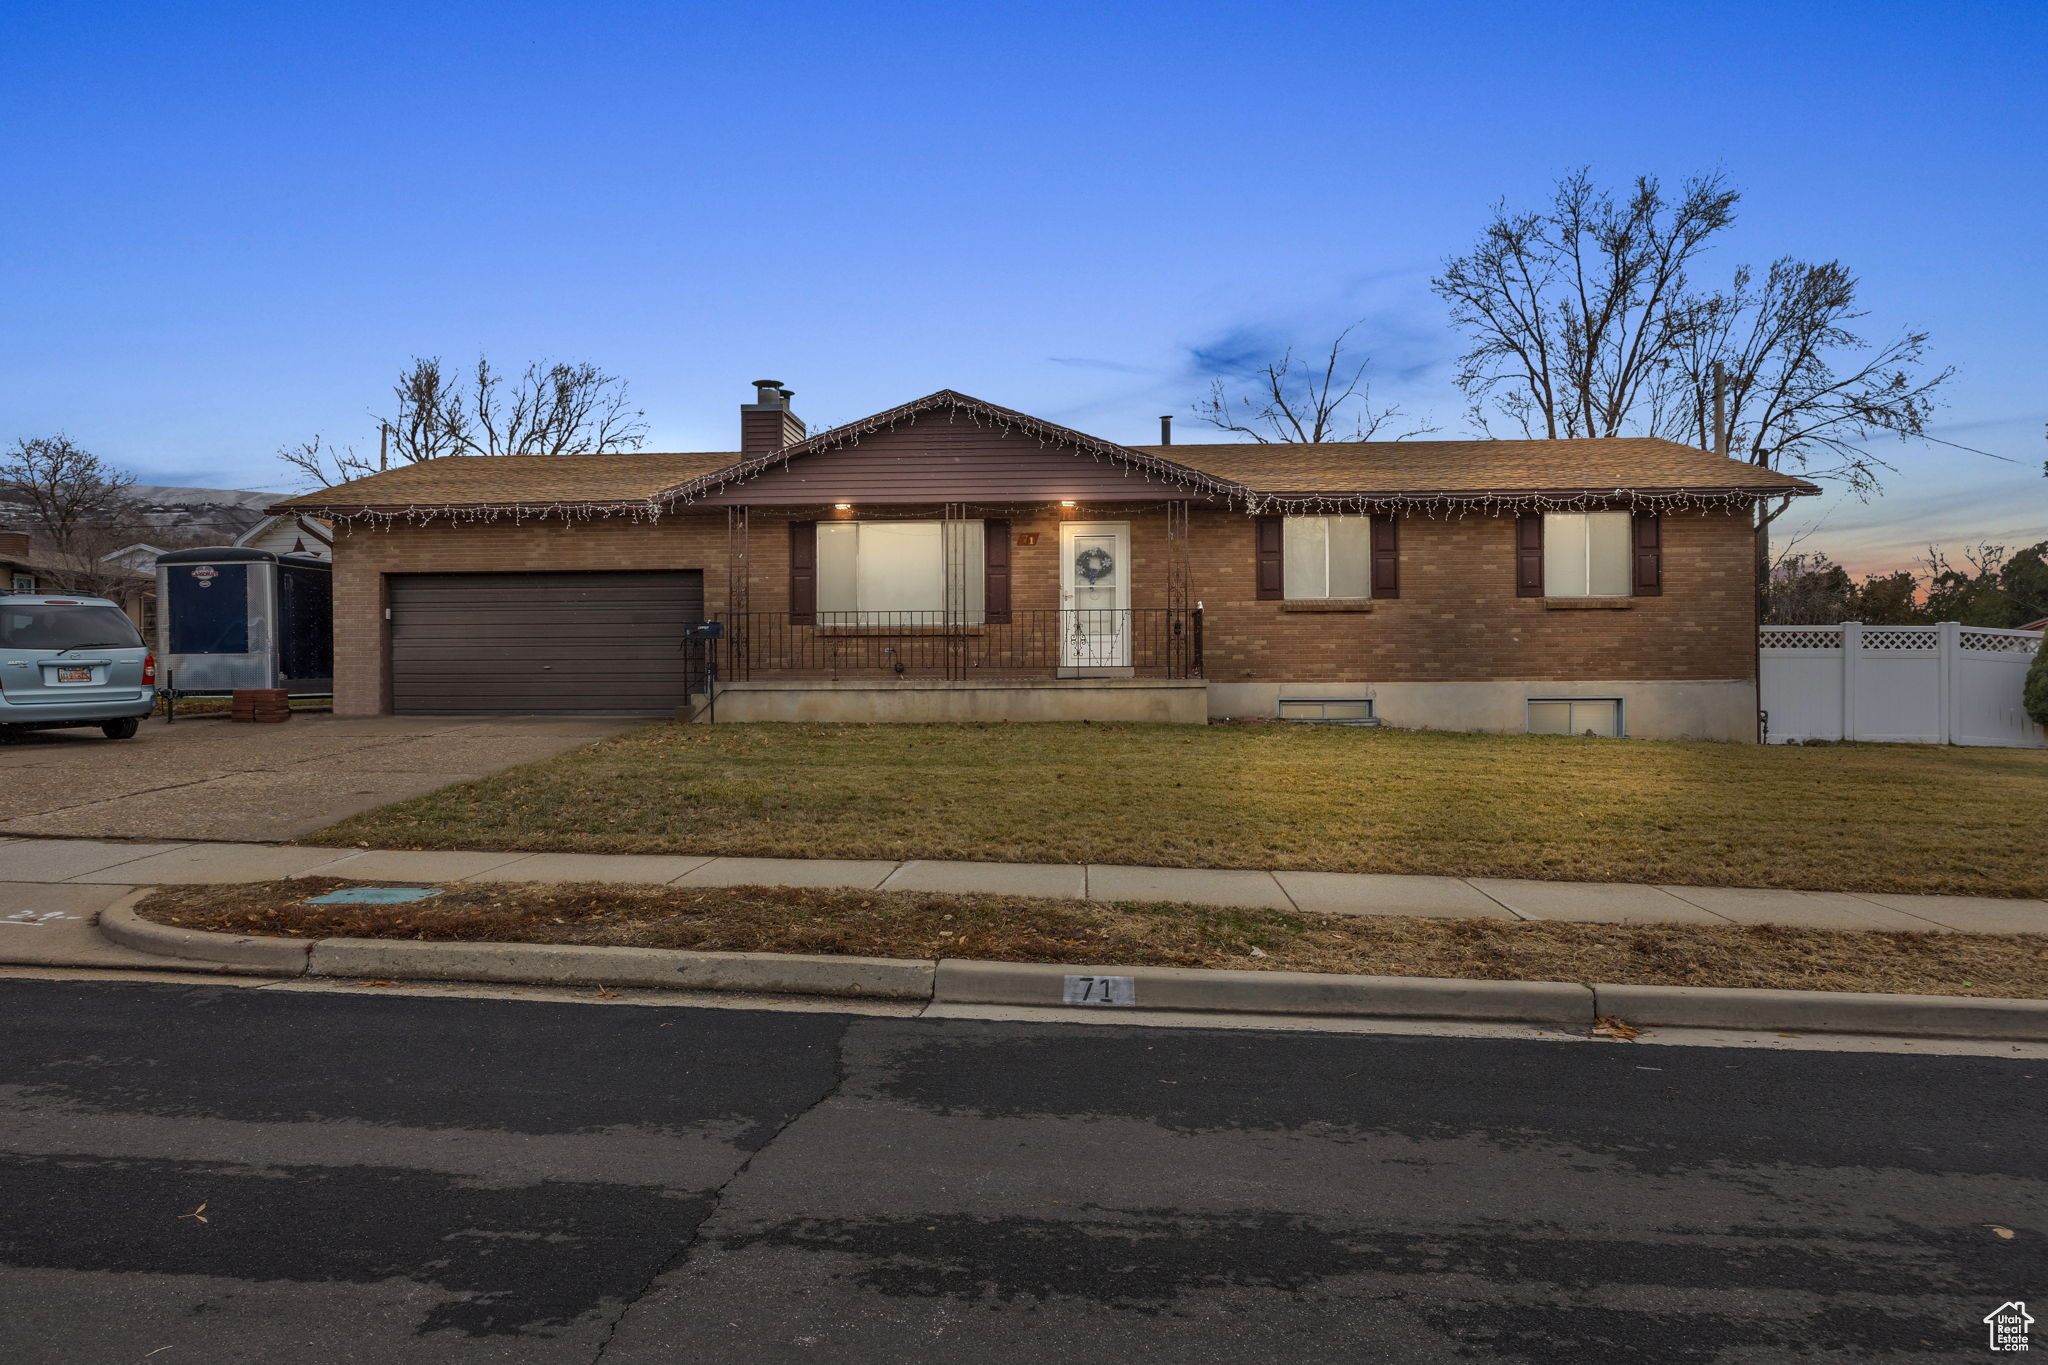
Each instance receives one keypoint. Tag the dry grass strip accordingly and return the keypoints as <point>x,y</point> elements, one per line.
<point>1029,929</point>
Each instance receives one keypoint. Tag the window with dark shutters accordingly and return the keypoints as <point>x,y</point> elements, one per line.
<point>1272,581</point>
<point>1386,556</point>
<point>1649,555</point>
<point>803,573</point>
<point>995,558</point>
<point>1529,555</point>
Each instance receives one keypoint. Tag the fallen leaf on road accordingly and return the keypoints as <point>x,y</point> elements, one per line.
<point>2006,1233</point>
<point>200,1214</point>
<point>1607,1026</point>
<point>376,983</point>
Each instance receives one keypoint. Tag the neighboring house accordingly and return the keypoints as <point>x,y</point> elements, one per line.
<point>17,573</point>
<point>28,566</point>
<point>950,559</point>
<point>141,557</point>
<point>285,534</point>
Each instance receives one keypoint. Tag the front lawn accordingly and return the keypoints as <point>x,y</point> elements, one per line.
<point>767,919</point>
<point>1870,817</point>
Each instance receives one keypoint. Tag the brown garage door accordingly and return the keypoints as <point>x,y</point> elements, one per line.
<point>499,643</point>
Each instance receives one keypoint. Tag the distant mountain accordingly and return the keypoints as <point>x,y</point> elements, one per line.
<point>162,495</point>
<point>183,516</point>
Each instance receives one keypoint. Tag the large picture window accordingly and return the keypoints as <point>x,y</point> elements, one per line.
<point>1327,557</point>
<point>895,573</point>
<point>1586,554</point>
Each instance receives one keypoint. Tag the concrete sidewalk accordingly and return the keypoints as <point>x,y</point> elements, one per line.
<point>90,868</point>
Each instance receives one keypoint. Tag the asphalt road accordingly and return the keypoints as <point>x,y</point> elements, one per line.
<point>220,1175</point>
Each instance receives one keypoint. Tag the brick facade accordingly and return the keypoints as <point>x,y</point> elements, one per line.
<point>1457,618</point>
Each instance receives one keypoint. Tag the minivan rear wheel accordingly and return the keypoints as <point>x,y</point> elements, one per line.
<point>124,728</point>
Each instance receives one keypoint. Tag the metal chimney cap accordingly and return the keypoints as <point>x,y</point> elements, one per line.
<point>767,383</point>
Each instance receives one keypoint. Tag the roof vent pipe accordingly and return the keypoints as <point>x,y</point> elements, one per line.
<point>1166,429</point>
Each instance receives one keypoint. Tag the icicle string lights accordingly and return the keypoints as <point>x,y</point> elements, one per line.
<point>1134,463</point>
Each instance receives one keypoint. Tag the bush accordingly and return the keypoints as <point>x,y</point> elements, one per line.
<point>2035,697</point>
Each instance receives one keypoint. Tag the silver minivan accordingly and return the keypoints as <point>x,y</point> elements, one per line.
<point>72,661</point>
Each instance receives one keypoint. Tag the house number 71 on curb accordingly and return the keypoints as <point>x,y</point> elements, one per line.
<point>1100,990</point>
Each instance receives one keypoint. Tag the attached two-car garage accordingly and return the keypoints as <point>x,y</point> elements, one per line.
<point>560,643</point>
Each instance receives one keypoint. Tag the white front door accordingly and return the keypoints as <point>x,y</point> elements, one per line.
<point>1095,594</point>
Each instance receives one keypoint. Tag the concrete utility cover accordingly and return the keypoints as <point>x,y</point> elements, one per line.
<point>375,895</point>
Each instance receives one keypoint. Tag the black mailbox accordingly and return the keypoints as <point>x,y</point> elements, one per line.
<point>704,630</point>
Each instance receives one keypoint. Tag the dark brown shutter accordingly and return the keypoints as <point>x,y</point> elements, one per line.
<point>995,558</point>
<point>1648,545</point>
<point>1272,582</point>
<point>803,573</point>
<point>1386,556</point>
<point>1529,555</point>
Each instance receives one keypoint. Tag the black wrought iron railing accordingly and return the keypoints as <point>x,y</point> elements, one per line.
<point>1140,642</point>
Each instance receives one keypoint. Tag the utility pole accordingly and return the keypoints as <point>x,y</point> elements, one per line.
<point>1720,409</point>
<point>383,446</point>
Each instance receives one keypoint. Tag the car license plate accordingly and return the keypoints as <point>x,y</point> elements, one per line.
<point>65,675</point>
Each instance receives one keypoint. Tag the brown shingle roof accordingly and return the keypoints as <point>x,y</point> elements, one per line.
<point>1392,469</point>
<point>1408,468</point>
<point>514,480</point>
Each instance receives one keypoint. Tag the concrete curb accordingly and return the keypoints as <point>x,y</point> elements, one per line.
<point>958,981</point>
<point>869,978</point>
<point>234,954</point>
<point>1925,1016</point>
<point>1200,989</point>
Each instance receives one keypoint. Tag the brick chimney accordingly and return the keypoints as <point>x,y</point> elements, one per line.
<point>767,423</point>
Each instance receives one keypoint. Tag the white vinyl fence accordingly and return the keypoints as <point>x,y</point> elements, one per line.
<point>1938,684</point>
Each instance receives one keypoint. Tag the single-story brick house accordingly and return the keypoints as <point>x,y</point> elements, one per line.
<point>953,559</point>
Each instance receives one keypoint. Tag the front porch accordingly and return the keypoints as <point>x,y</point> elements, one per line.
<point>1050,664</point>
<point>881,700</point>
<point>1018,646</point>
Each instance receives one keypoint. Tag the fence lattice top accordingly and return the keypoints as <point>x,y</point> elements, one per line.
<point>1802,637</point>
<point>2002,641</point>
<point>1895,639</point>
<point>1900,637</point>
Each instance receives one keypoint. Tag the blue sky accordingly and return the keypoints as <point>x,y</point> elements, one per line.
<point>231,224</point>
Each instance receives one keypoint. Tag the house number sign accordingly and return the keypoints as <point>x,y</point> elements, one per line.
<point>1100,990</point>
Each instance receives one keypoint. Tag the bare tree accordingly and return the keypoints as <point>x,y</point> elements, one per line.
<point>77,507</point>
<point>1573,311</point>
<point>1796,388</point>
<point>550,408</point>
<point>1295,401</point>
<point>327,465</point>
<point>1585,322</point>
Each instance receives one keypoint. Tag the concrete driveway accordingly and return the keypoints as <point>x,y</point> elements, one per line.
<point>208,778</point>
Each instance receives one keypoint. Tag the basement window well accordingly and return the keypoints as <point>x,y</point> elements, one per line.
<point>1328,710</point>
<point>1597,716</point>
